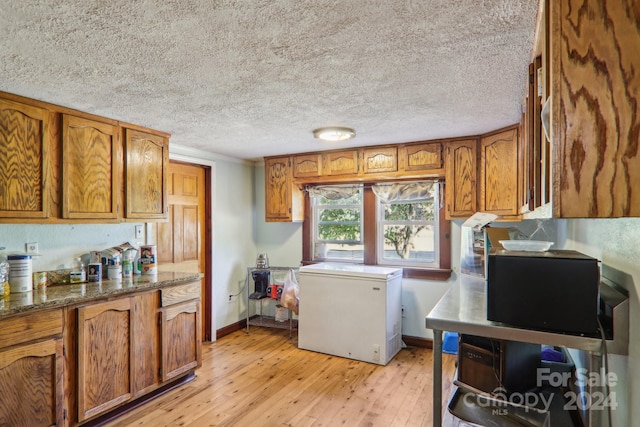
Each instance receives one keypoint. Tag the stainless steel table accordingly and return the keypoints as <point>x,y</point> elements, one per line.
<point>463,309</point>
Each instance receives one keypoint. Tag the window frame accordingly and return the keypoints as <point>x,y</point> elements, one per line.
<point>381,222</point>
<point>370,235</point>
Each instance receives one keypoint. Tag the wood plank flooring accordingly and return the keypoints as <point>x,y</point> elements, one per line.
<point>263,379</point>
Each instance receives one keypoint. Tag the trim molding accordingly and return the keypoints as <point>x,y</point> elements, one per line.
<point>242,324</point>
<point>418,341</point>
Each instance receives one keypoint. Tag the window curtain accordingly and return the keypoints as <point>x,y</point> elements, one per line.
<point>334,192</point>
<point>405,191</point>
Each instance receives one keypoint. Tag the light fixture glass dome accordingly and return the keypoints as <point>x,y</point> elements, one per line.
<point>334,133</point>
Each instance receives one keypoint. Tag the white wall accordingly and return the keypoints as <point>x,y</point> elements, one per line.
<point>616,243</point>
<point>59,244</point>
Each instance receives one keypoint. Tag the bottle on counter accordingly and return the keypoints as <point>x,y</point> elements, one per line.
<point>5,288</point>
<point>78,272</point>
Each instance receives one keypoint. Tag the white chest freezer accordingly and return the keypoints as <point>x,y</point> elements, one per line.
<point>351,310</point>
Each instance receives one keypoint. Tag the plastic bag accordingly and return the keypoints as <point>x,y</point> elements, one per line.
<point>289,297</point>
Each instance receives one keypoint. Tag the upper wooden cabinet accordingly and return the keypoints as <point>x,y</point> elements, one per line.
<point>283,200</point>
<point>380,160</point>
<point>309,165</point>
<point>62,165</point>
<point>421,157</point>
<point>91,159</point>
<point>460,176</point>
<point>341,162</point>
<point>595,93</point>
<point>146,158</point>
<point>25,159</point>
<point>499,178</point>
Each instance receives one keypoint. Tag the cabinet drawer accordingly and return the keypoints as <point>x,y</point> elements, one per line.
<point>180,293</point>
<point>29,327</point>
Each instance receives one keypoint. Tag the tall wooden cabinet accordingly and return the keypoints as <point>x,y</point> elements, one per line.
<point>25,159</point>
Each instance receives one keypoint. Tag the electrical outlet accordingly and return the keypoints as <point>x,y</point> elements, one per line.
<point>31,248</point>
<point>138,232</point>
<point>230,298</point>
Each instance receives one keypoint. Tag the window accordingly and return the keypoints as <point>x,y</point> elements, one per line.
<point>407,232</point>
<point>338,223</point>
<point>393,224</point>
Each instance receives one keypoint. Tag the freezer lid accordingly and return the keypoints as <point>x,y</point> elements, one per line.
<point>351,270</point>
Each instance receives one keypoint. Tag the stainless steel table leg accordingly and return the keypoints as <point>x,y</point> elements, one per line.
<point>437,378</point>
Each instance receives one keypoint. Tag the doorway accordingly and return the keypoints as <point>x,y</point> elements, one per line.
<point>184,240</point>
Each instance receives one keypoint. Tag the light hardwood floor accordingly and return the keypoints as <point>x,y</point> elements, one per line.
<point>263,379</point>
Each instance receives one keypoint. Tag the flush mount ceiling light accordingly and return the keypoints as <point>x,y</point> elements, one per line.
<point>334,133</point>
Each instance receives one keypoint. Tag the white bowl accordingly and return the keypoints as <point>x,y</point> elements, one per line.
<point>526,245</point>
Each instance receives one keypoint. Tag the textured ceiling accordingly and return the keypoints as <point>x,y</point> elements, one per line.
<point>248,79</point>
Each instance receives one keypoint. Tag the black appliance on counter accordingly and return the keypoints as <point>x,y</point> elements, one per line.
<point>260,282</point>
<point>556,290</point>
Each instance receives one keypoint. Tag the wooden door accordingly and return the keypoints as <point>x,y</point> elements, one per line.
<point>91,165</point>
<point>104,356</point>
<point>24,161</point>
<point>181,241</point>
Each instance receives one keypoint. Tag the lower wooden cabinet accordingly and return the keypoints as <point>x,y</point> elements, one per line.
<point>72,365</point>
<point>104,356</point>
<point>31,380</point>
<point>31,370</point>
<point>181,348</point>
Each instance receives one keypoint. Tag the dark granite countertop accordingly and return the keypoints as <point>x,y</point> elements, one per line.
<point>62,295</point>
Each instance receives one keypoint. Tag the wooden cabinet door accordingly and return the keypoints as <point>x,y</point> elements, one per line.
<point>283,201</point>
<point>341,163</point>
<point>181,343</point>
<point>421,157</point>
<point>24,161</point>
<point>104,356</point>
<point>146,161</point>
<point>378,160</point>
<point>32,384</point>
<point>308,165</point>
<point>146,346</point>
<point>595,125</point>
<point>460,178</point>
<point>499,181</point>
<point>91,164</point>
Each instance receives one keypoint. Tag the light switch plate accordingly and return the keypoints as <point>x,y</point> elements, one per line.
<point>138,232</point>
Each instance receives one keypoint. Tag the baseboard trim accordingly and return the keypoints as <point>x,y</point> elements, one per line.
<point>417,341</point>
<point>407,339</point>
<point>242,324</point>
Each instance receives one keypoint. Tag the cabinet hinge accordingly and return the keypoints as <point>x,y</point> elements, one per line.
<point>159,320</point>
<point>64,413</point>
<point>160,372</point>
<point>64,350</point>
